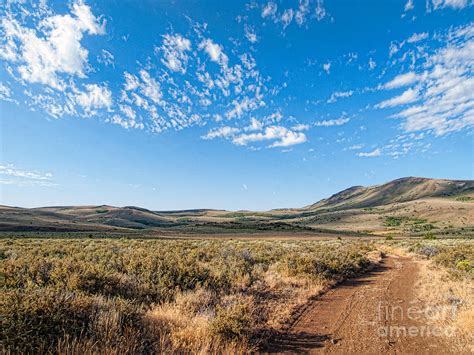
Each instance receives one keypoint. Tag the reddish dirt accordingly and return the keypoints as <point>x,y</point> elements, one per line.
<point>368,315</point>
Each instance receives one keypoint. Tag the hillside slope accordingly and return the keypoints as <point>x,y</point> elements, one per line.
<point>403,206</point>
<point>396,191</point>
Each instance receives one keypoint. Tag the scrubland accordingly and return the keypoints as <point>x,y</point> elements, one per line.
<point>145,296</point>
<point>445,286</point>
<point>123,296</point>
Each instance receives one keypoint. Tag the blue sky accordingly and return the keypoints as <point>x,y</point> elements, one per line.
<point>235,105</point>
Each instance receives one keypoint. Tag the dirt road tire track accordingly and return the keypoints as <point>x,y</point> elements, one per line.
<point>356,316</point>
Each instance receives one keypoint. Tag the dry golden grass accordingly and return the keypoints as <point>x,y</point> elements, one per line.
<point>453,302</point>
<point>150,296</point>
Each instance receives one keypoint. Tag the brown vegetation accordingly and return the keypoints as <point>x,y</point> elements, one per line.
<point>144,296</point>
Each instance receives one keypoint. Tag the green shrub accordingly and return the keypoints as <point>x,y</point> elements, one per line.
<point>464,265</point>
<point>429,236</point>
<point>234,322</point>
<point>91,295</point>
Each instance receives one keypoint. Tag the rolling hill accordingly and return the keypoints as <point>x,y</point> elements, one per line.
<point>404,206</point>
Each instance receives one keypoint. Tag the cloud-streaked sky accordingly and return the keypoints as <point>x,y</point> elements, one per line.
<point>236,105</point>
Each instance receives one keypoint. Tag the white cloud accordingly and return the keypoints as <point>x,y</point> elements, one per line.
<point>11,170</point>
<point>149,87</point>
<point>174,49</point>
<point>282,136</point>
<point>128,111</point>
<point>444,92</point>
<point>320,11</point>
<point>5,92</point>
<point>372,64</point>
<point>402,80</point>
<point>240,107</point>
<point>327,67</point>
<point>106,58</point>
<point>416,37</point>
<point>455,4</point>
<point>339,94</point>
<point>128,122</point>
<point>408,96</point>
<point>214,51</point>
<point>356,147</point>
<point>269,9</point>
<point>395,47</point>
<point>250,34</point>
<point>328,123</point>
<point>300,127</point>
<point>255,125</point>
<point>302,12</point>
<point>95,97</point>
<point>375,153</point>
<point>287,17</point>
<point>222,132</point>
<point>52,50</point>
<point>409,5</point>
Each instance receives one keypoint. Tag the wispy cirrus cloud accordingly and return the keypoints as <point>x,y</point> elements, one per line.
<point>338,94</point>
<point>454,4</point>
<point>374,153</point>
<point>299,13</point>
<point>21,177</point>
<point>440,98</point>
<point>329,123</point>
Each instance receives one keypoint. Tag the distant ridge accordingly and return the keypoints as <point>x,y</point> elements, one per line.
<point>345,210</point>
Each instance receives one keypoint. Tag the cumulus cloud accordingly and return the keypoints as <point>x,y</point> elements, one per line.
<point>269,9</point>
<point>282,137</point>
<point>255,125</point>
<point>53,47</point>
<point>95,97</point>
<point>127,122</point>
<point>250,34</point>
<point>174,49</point>
<point>328,123</point>
<point>214,51</point>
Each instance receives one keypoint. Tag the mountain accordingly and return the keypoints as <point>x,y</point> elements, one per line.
<point>409,205</point>
<point>396,191</point>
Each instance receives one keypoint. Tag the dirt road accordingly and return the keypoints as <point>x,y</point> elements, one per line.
<point>375,313</point>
